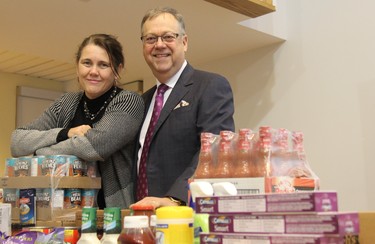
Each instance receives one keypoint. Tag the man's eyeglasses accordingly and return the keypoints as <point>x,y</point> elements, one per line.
<point>166,38</point>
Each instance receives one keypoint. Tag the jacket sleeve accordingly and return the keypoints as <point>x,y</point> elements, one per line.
<point>40,133</point>
<point>118,126</point>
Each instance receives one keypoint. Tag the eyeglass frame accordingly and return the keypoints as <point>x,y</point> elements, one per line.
<point>175,35</point>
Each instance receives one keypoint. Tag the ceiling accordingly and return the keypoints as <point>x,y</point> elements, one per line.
<point>40,37</point>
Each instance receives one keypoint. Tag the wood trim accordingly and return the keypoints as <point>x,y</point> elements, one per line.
<point>251,8</point>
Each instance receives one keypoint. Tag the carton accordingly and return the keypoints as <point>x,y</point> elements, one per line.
<point>217,238</point>
<point>321,201</point>
<point>319,223</point>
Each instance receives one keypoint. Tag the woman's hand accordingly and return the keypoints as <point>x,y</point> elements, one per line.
<point>79,131</point>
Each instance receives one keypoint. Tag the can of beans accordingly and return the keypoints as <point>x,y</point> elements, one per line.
<point>89,197</point>
<point>22,167</point>
<point>72,198</point>
<point>76,166</point>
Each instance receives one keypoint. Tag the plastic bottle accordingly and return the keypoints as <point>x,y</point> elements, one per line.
<point>112,225</point>
<point>205,164</point>
<point>262,161</point>
<point>244,166</point>
<point>174,225</point>
<point>153,224</point>
<point>136,231</point>
<point>88,227</point>
<point>225,156</point>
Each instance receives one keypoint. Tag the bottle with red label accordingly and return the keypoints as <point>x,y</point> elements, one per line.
<point>205,166</point>
<point>225,158</point>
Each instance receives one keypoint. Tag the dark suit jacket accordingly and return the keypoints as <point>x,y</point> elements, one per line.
<point>199,102</point>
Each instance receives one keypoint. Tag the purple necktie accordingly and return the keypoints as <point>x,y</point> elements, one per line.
<point>142,187</point>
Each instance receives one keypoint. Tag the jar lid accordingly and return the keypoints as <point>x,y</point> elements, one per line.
<point>142,207</point>
<point>139,221</point>
<point>174,212</point>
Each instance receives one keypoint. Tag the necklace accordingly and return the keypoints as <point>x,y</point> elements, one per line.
<point>92,116</point>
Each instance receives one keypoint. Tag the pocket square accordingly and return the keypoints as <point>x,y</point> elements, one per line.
<point>183,103</point>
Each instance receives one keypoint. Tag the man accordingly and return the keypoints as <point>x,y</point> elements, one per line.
<point>194,102</point>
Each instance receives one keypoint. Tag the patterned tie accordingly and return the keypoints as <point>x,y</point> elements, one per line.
<point>142,187</point>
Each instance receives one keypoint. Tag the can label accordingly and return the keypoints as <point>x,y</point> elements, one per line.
<point>91,169</point>
<point>72,198</point>
<point>43,197</point>
<point>76,166</point>
<point>11,195</point>
<point>71,235</point>
<point>22,167</point>
<point>56,165</point>
<point>27,206</point>
<point>112,220</point>
<point>9,166</point>
<point>88,197</point>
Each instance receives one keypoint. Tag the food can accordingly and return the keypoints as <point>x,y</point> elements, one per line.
<point>55,165</point>
<point>71,235</point>
<point>11,195</point>
<point>88,197</point>
<point>72,198</point>
<point>91,169</point>
<point>9,166</point>
<point>22,167</point>
<point>174,224</point>
<point>76,166</point>
<point>37,165</point>
<point>43,197</point>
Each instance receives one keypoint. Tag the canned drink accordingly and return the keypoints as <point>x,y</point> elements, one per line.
<point>72,198</point>
<point>9,166</point>
<point>22,167</point>
<point>76,166</point>
<point>89,197</point>
<point>71,235</point>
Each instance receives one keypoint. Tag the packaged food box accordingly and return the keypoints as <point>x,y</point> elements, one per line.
<point>319,201</point>
<point>319,223</point>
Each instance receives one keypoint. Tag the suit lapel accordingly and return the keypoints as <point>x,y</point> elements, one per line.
<point>178,92</point>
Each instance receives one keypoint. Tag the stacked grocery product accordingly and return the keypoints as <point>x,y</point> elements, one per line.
<point>267,160</point>
<point>276,197</point>
<point>48,190</point>
<point>299,217</point>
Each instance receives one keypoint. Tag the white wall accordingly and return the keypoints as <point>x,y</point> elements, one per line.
<point>320,81</point>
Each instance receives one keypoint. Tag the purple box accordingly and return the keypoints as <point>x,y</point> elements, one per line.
<point>320,201</point>
<point>216,238</point>
<point>319,223</point>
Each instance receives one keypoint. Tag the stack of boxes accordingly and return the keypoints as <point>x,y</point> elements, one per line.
<point>300,217</point>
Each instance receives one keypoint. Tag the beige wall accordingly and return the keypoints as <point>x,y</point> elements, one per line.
<point>9,83</point>
<point>320,81</point>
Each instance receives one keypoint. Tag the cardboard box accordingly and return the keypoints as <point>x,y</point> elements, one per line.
<point>50,182</point>
<point>367,225</point>
<point>320,201</point>
<point>243,185</point>
<point>320,223</point>
<point>216,238</point>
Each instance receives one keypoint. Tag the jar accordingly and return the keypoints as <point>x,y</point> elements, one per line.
<point>136,230</point>
<point>174,224</point>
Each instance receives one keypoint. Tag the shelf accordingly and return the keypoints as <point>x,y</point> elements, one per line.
<point>251,8</point>
<point>50,182</point>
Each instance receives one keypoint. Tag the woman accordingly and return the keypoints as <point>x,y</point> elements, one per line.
<point>98,124</point>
